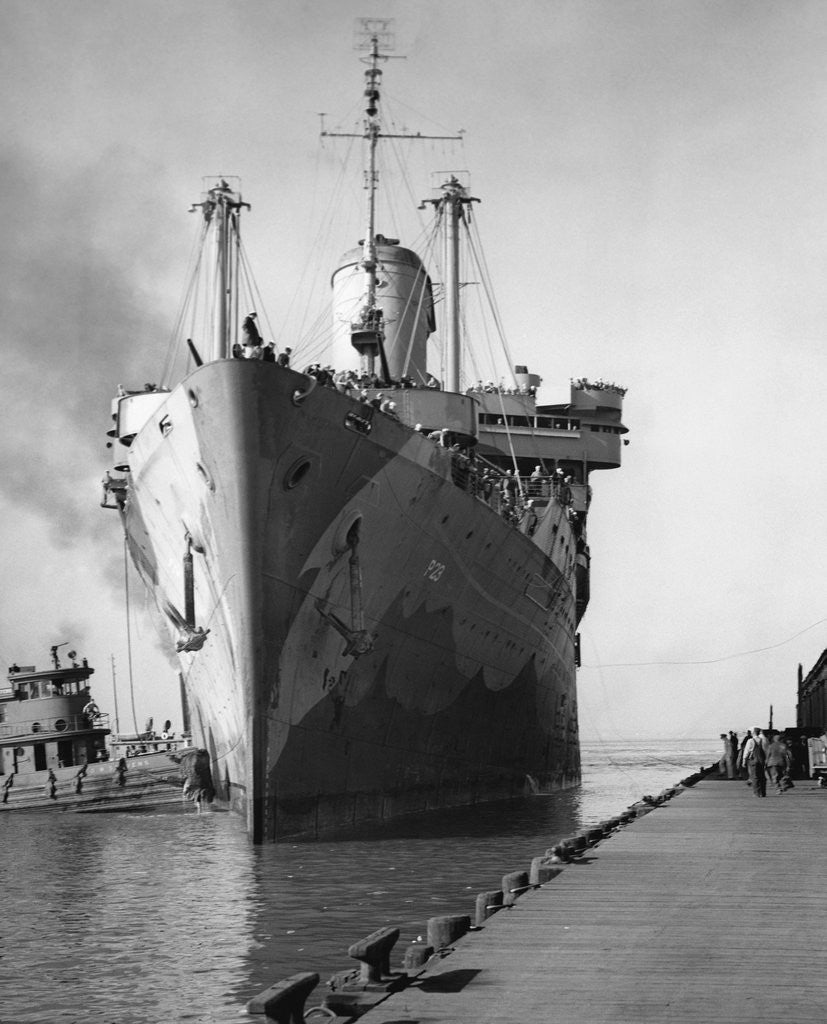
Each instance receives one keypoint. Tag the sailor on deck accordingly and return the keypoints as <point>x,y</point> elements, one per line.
<point>252,339</point>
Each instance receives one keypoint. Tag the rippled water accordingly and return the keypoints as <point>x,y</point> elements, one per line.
<point>145,917</point>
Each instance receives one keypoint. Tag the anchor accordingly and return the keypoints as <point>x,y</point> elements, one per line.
<point>192,637</point>
<point>358,640</point>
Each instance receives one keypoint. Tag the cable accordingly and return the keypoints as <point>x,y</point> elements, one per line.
<point>129,630</point>
<point>710,661</point>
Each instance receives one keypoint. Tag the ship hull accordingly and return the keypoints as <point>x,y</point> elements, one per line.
<point>380,640</point>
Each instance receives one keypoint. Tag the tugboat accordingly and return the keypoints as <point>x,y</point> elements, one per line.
<point>57,749</point>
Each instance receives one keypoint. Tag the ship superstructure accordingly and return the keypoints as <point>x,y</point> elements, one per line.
<point>372,577</point>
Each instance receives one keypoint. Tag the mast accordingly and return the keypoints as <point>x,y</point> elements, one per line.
<point>368,333</point>
<point>221,210</point>
<point>373,77</point>
<point>451,207</point>
<point>115,695</point>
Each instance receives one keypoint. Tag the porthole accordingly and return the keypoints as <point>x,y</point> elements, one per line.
<point>297,472</point>
<point>36,726</point>
<point>60,725</point>
<point>193,398</point>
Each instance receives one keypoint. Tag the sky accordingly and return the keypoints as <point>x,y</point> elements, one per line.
<point>654,213</point>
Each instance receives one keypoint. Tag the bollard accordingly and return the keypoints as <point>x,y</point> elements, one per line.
<point>543,869</point>
<point>353,996</point>
<point>488,903</point>
<point>514,885</point>
<point>593,836</point>
<point>558,854</point>
<point>443,931</point>
<point>284,1001</point>
<point>374,952</point>
<point>416,956</point>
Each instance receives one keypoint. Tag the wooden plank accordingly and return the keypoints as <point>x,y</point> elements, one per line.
<point>714,906</point>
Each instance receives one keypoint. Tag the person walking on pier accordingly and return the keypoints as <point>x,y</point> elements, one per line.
<point>726,765</point>
<point>740,763</point>
<point>779,762</point>
<point>755,758</point>
<point>733,739</point>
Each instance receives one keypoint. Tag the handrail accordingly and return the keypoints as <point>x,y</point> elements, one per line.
<point>468,475</point>
<point>59,725</point>
<point>563,424</point>
<point>134,748</point>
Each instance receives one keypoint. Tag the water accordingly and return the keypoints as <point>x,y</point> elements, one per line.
<point>147,917</point>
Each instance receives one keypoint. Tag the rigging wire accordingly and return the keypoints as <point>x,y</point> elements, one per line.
<point>421,292</point>
<point>423,118</point>
<point>478,259</point>
<point>478,253</point>
<point>188,300</point>
<point>322,243</point>
<point>711,661</point>
<point>129,632</point>
<point>251,290</point>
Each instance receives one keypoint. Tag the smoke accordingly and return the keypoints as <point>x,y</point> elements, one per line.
<point>80,318</point>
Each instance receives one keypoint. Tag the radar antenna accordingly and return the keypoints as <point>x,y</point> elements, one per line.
<point>54,650</point>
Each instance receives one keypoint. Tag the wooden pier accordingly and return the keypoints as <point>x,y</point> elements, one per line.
<point>711,908</point>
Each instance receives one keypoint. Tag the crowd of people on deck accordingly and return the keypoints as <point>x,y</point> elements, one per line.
<point>253,346</point>
<point>516,498</point>
<point>490,388</point>
<point>512,496</point>
<point>583,384</point>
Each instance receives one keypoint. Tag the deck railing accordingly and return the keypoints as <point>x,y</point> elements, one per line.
<point>55,725</point>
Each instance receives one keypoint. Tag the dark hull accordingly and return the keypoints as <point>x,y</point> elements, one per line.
<point>468,692</point>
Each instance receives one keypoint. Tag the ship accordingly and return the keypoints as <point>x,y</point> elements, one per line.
<point>58,752</point>
<point>371,569</point>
